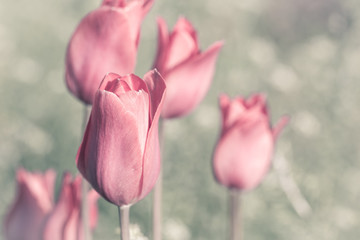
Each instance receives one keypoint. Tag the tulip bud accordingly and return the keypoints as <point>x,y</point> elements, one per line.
<point>119,154</point>
<point>33,202</point>
<point>64,222</point>
<point>188,72</point>
<point>106,40</point>
<point>243,152</point>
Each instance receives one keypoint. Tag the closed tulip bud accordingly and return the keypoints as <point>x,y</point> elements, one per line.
<point>64,222</point>
<point>188,72</point>
<point>33,202</point>
<point>106,40</point>
<point>244,150</point>
<point>119,154</point>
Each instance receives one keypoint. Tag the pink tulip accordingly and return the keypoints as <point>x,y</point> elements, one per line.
<point>64,222</point>
<point>106,40</point>
<point>187,71</point>
<point>33,202</point>
<point>119,154</point>
<point>243,153</point>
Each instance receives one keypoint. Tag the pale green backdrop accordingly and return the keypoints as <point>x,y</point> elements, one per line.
<point>304,54</point>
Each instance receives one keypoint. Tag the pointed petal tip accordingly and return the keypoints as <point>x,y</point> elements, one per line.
<point>183,20</point>
<point>219,43</point>
<point>147,5</point>
<point>214,49</point>
<point>50,171</point>
<point>155,74</point>
<point>279,126</point>
<point>160,20</point>
<point>108,77</point>
<point>261,96</point>
<point>184,24</point>
<point>223,99</point>
<point>67,177</point>
<point>20,175</point>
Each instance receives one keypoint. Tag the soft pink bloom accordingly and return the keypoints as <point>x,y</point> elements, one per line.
<point>64,222</point>
<point>33,202</point>
<point>106,40</point>
<point>119,154</point>
<point>188,72</point>
<point>243,153</point>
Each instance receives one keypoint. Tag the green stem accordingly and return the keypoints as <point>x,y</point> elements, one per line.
<point>85,185</point>
<point>85,209</point>
<point>124,221</point>
<point>235,215</point>
<point>157,197</point>
<point>157,214</point>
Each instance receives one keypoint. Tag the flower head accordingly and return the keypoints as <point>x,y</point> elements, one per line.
<point>188,72</point>
<point>33,202</point>
<point>243,153</point>
<point>119,154</point>
<point>106,40</point>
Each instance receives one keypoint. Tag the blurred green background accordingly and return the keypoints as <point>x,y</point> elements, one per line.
<point>304,54</point>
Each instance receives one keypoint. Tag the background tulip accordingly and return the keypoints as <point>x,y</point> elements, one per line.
<point>34,200</point>
<point>106,40</point>
<point>243,152</point>
<point>187,71</point>
<point>64,222</point>
<point>119,154</point>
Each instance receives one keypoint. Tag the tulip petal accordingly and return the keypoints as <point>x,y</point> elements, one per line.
<point>224,102</point>
<point>65,222</point>
<point>55,228</point>
<point>72,226</point>
<point>188,83</point>
<point>231,112</point>
<point>114,3</point>
<point>135,11</point>
<point>112,82</point>
<point>156,86</point>
<point>136,83</point>
<point>183,43</point>
<point>257,101</point>
<point>147,5</point>
<point>152,158</point>
<point>163,45</point>
<point>242,156</point>
<point>183,25</point>
<point>33,202</point>
<point>151,161</point>
<point>100,44</point>
<point>110,156</point>
<point>243,152</point>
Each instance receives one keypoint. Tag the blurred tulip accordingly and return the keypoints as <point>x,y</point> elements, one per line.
<point>33,202</point>
<point>243,152</point>
<point>187,71</point>
<point>64,222</point>
<point>119,154</point>
<point>106,40</point>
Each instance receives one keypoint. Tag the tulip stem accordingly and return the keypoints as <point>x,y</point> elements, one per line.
<point>85,209</point>
<point>124,220</point>
<point>235,215</point>
<point>157,197</point>
<point>157,216</point>
<point>85,185</point>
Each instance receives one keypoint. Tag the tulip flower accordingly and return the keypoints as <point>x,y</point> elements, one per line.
<point>188,72</point>
<point>119,154</point>
<point>64,222</point>
<point>106,40</point>
<point>33,202</point>
<point>243,153</point>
